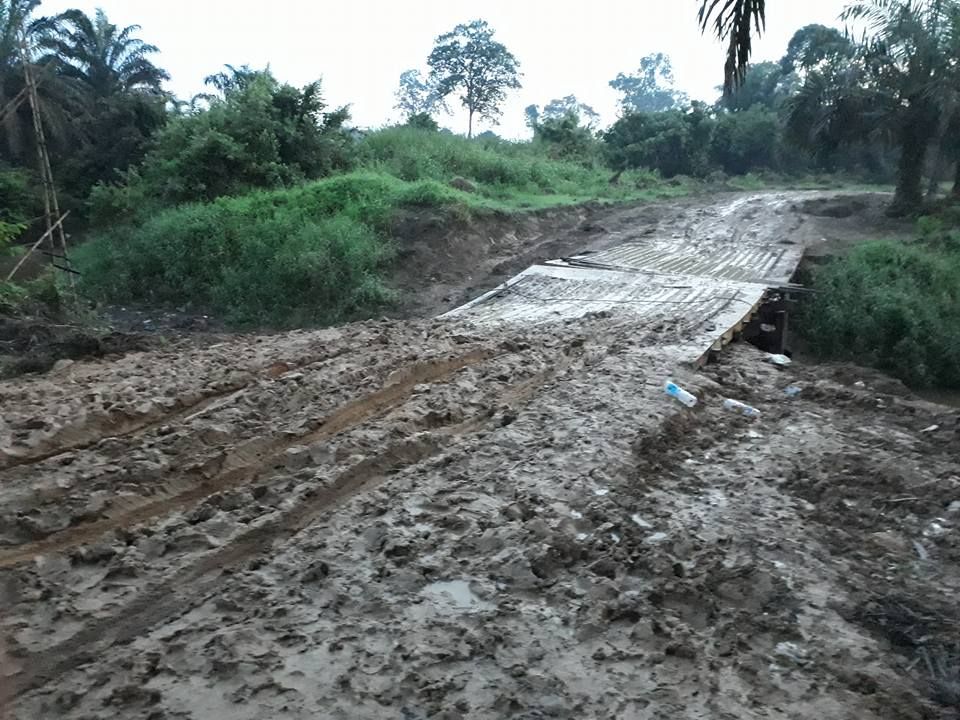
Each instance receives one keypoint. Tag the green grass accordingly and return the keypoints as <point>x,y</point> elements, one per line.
<point>892,305</point>
<point>317,254</point>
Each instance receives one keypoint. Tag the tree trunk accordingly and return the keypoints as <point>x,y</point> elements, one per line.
<point>908,197</point>
<point>470,125</point>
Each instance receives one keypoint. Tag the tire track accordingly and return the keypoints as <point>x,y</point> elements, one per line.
<point>171,597</point>
<point>121,425</point>
<point>242,465</point>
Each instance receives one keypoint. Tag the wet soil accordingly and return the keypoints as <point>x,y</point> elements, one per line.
<point>427,519</point>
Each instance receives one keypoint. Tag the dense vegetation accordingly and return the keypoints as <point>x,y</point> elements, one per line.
<point>257,200</point>
<point>894,305</point>
<point>313,253</point>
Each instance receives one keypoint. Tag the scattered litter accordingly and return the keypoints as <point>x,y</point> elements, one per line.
<point>576,515</point>
<point>793,391</point>
<point>860,384</point>
<point>932,428</point>
<point>781,360</point>
<point>921,550</point>
<point>601,492</point>
<point>615,538</point>
<point>675,391</point>
<point>656,538</point>
<point>767,328</point>
<point>791,651</point>
<point>741,408</point>
<point>954,507</point>
<point>640,522</point>
<point>582,536</point>
<point>935,529</point>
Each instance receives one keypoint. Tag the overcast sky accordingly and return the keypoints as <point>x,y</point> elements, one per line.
<point>360,48</point>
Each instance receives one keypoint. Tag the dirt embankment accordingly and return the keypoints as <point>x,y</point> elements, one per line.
<point>434,520</point>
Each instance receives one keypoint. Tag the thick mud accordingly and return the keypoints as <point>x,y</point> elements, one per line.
<point>425,519</point>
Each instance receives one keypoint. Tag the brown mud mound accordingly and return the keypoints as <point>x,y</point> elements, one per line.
<point>36,345</point>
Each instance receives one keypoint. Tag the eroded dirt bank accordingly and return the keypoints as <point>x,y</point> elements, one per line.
<point>421,519</point>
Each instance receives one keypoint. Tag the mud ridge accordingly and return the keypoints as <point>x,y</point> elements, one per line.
<point>243,464</point>
<point>199,582</point>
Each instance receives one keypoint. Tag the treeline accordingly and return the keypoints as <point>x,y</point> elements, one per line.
<point>119,144</point>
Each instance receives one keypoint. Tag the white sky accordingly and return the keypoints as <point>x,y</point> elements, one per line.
<point>360,48</point>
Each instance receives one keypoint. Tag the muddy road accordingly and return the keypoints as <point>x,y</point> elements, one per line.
<point>431,519</point>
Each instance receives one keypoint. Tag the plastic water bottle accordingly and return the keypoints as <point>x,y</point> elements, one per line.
<point>742,408</point>
<point>674,390</point>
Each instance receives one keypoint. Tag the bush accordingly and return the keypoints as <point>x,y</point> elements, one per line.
<point>493,165</point>
<point>894,306</point>
<point>306,256</point>
<point>674,142</point>
<point>262,134</point>
<point>746,141</point>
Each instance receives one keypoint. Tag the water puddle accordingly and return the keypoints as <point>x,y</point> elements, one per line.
<point>453,597</point>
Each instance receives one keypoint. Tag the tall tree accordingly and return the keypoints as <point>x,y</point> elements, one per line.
<point>24,35</point>
<point>651,88</point>
<point>562,107</point>
<point>417,96</point>
<point>734,22</point>
<point>468,59</point>
<point>813,45</point>
<point>108,59</point>
<point>765,84</point>
<point>909,49</point>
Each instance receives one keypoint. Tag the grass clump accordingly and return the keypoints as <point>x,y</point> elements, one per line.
<point>311,255</point>
<point>893,305</point>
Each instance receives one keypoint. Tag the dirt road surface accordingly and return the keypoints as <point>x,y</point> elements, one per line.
<point>435,519</point>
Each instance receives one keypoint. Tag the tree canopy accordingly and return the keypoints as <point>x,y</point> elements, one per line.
<point>651,88</point>
<point>470,61</point>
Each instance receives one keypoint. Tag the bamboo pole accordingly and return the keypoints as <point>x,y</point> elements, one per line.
<point>43,237</point>
<point>50,200</point>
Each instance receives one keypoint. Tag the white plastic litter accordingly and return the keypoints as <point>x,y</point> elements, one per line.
<point>741,408</point>
<point>675,391</point>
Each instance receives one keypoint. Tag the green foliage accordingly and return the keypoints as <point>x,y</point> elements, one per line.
<point>470,60</point>
<point>262,134</point>
<point>303,256</point>
<point>560,108</point>
<point>416,96</point>
<point>893,305</point>
<point>673,142</point>
<point>106,59</point>
<point>18,199</point>
<point>566,138</point>
<point>651,88</point>
<point>504,172</point>
<point>765,84</point>
<point>813,46</point>
<point>745,141</point>
<point>734,22</point>
<point>422,121</point>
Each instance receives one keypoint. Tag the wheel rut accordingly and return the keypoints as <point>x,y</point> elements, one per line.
<point>242,464</point>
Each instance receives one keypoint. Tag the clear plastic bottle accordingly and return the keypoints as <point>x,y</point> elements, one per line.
<point>674,390</point>
<point>742,408</point>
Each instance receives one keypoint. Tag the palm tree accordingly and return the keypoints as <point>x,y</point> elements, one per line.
<point>734,21</point>
<point>26,37</point>
<point>910,49</point>
<point>107,59</point>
